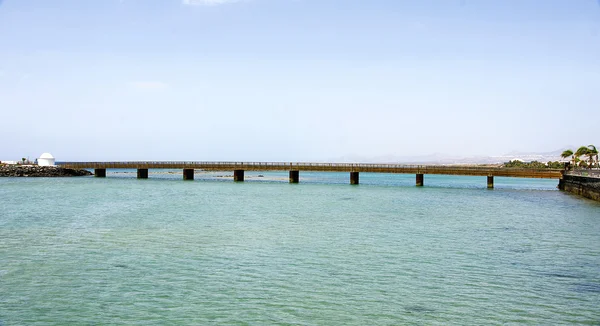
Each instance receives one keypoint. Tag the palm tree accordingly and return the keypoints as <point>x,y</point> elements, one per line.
<point>592,153</point>
<point>582,151</point>
<point>568,153</point>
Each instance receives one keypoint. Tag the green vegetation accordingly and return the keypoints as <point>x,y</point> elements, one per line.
<point>534,165</point>
<point>592,154</point>
<point>568,153</point>
<point>585,157</point>
<point>579,157</point>
<point>24,161</point>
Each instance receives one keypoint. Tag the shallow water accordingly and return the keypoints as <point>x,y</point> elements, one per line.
<point>163,251</point>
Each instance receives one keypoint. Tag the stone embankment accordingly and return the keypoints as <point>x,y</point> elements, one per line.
<point>40,171</point>
<point>585,186</point>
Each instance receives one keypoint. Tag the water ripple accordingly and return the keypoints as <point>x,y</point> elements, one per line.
<point>119,251</point>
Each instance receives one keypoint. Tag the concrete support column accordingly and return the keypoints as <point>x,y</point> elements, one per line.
<point>354,178</point>
<point>142,173</point>
<point>490,182</point>
<point>188,174</point>
<point>238,175</point>
<point>420,179</point>
<point>294,176</point>
<point>100,173</point>
<point>561,184</point>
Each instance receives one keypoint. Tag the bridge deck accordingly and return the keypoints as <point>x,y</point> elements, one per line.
<point>325,167</point>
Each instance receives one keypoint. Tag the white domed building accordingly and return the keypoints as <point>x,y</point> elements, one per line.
<point>46,159</point>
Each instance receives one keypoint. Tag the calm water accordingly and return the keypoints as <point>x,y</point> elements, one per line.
<point>162,251</point>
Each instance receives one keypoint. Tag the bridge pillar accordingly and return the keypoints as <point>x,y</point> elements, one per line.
<point>294,176</point>
<point>100,173</point>
<point>561,184</point>
<point>142,173</point>
<point>188,174</point>
<point>238,175</point>
<point>354,177</point>
<point>420,179</point>
<point>490,182</point>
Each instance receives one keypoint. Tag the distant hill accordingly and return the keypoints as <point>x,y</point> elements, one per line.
<point>440,158</point>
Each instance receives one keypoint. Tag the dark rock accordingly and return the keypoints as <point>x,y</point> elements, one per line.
<point>40,171</point>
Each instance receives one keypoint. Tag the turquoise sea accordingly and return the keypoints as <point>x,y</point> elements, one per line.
<point>115,251</point>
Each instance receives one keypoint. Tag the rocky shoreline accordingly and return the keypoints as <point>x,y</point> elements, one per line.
<point>40,171</point>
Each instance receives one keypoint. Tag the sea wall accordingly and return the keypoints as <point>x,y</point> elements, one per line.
<point>40,171</point>
<point>588,187</point>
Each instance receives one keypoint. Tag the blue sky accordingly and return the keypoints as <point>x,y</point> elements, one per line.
<point>296,80</point>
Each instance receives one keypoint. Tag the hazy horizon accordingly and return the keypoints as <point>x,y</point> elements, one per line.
<point>296,80</point>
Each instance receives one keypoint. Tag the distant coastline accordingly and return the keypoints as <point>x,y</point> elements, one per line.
<point>40,171</point>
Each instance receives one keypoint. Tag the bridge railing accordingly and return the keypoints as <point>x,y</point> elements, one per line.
<point>315,166</point>
<point>269,164</point>
<point>585,173</point>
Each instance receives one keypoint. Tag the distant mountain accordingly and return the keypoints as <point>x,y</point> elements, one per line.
<point>440,158</point>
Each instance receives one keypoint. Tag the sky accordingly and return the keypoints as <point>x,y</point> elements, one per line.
<point>296,80</point>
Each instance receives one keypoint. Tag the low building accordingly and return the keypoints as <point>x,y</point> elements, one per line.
<point>46,159</point>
